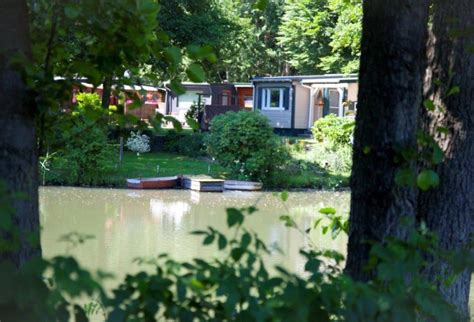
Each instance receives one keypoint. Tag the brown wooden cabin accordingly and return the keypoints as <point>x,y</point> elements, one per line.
<point>244,95</point>
<point>153,98</point>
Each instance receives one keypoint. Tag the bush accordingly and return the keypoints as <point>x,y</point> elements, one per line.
<point>185,144</point>
<point>244,143</point>
<point>85,151</point>
<point>334,130</point>
<point>335,160</point>
<point>333,151</point>
<point>139,143</point>
<point>195,113</point>
<point>85,156</point>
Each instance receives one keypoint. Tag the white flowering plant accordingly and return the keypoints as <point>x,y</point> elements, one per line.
<point>139,143</point>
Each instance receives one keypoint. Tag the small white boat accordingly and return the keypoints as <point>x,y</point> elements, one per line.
<point>242,185</point>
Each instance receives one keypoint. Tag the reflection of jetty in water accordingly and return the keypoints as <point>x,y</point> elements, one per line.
<point>169,211</point>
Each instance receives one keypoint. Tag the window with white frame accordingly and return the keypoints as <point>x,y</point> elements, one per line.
<point>273,98</point>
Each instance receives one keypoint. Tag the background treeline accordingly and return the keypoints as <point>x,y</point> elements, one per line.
<point>284,37</point>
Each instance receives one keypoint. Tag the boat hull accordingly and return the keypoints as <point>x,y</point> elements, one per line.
<point>152,183</point>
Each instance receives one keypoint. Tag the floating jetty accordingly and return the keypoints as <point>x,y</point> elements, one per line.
<point>196,183</point>
<point>242,185</point>
<point>203,184</point>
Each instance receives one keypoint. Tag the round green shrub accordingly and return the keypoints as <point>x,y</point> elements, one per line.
<point>244,142</point>
<point>334,130</point>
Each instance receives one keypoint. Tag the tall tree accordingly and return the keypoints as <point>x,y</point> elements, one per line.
<point>449,210</point>
<point>321,36</point>
<point>242,35</point>
<point>393,85</point>
<point>303,36</point>
<point>18,161</point>
<point>345,37</point>
<point>390,80</point>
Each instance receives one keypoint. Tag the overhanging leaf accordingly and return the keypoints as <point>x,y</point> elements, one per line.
<point>234,217</point>
<point>327,211</point>
<point>196,73</point>
<point>405,178</point>
<point>427,179</point>
<point>429,105</point>
<point>173,55</point>
<point>454,90</point>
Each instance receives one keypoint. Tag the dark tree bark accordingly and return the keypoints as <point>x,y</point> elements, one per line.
<point>391,77</point>
<point>47,70</point>
<point>449,209</point>
<point>106,91</point>
<point>18,156</point>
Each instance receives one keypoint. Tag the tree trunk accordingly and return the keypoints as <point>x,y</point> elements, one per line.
<point>47,70</point>
<point>106,91</point>
<point>18,161</point>
<point>449,209</point>
<point>121,150</point>
<point>391,77</point>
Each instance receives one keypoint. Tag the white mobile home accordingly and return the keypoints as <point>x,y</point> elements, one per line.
<point>294,103</point>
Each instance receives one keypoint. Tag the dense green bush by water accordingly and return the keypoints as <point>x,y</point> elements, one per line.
<point>244,143</point>
<point>83,150</point>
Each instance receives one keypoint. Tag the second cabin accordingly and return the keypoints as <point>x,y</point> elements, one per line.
<point>293,103</point>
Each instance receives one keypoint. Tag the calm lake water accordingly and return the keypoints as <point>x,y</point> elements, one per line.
<point>127,224</point>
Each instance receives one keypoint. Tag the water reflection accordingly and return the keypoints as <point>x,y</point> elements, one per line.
<point>129,224</point>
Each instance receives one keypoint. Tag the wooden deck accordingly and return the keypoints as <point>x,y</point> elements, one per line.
<point>203,184</point>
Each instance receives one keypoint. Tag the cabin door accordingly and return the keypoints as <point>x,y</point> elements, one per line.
<point>318,106</point>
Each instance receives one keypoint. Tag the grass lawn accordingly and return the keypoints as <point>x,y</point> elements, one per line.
<point>146,165</point>
<point>299,174</point>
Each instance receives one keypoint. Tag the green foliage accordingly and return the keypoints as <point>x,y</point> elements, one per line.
<point>244,142</point>
<point>334,130</point>
<point>314,165</point>
<point>194,116</point>
<point>427,179</point>
<point>101,39</point>
<point>239,286</point>
<point>345,37</point>
<point>321,36</point>
<point>85,154</point>
<point>303,34</point>
<point>304,171</point>
<point>337,159</point>
<point>85,157</point>
<point>242,34</point>
<point>333,149</point>
<point>133,166</point>
<point>191,145</point>
<point>110,43</point>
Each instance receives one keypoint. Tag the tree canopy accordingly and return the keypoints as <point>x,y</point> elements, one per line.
<point>281,38</point>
